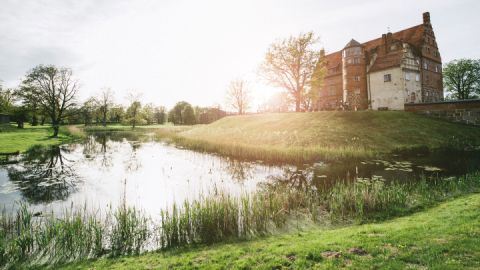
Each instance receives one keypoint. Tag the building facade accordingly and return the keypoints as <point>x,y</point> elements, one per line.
<point>384,73</point>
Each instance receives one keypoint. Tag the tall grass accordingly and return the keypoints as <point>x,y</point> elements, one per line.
<point>269,154</point>
<point>26,238</point>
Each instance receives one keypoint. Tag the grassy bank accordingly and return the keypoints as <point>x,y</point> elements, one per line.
<point>444,237</point>
<point>309,137</point>
<point>27,240</point>
<point>13,139</point>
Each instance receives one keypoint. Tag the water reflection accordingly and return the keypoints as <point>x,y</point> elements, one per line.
<point>44,176</point>
<point>151,174</point>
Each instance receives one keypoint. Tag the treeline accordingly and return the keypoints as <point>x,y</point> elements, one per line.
<point>49,95</point>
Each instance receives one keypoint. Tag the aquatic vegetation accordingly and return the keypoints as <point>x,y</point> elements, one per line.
<point>34,238</point>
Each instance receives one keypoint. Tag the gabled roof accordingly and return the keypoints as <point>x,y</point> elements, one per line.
<point>352,43</point>
<point>412,35</point>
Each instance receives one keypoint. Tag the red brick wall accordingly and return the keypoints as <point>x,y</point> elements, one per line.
<point>464,111</point>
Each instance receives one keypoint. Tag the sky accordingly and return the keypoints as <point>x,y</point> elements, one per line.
<point>174,50</point>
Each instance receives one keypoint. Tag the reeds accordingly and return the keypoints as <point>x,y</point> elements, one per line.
<point>27,238</point>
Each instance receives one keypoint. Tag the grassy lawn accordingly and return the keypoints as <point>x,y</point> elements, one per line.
<point>308,137</point>
<point>444,237</point>
<point>13,139</point>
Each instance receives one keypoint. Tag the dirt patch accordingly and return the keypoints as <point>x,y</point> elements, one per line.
<point>331,254</point>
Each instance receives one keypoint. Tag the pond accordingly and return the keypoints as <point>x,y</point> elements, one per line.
<point>111,167</point>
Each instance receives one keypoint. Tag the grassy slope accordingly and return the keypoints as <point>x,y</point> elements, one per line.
<point>307,136</point>
<point>13,139</point>
<point>444,237</point>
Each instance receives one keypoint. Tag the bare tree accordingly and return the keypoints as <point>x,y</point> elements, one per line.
<point>290,63</point>
<point>238,96</point>
<point>56,89</point>
<point>105,101</point>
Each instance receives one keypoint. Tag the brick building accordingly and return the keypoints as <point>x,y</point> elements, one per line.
<point>384,73</point>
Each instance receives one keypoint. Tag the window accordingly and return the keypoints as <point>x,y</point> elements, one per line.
<point>356,60</point>
<point>425,65</point>
<point>357,91</point>
<point>407,76</point>
<point>349,61</point>
<point>387,77</point>
<point>357,78</point>
<point>417,77</point>
<point>412,97</point>
<point>436,68</point>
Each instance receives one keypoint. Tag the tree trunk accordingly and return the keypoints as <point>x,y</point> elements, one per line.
<point>104,119</point>
<point>55,128</point>
<point>42,122</point>
<point>297,105</point>
<point>34,120</point>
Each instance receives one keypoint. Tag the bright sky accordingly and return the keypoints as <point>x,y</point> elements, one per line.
<point>189,50</point>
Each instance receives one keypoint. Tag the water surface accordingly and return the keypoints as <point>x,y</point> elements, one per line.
<point>110,167</point>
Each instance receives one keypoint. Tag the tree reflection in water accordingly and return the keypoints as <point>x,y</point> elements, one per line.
<point>44,175</point>
<point>240,171</point>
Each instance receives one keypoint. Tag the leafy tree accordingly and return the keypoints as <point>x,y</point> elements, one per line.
<point>149,113</point>
<point>6,100</point>
<point>182,114</point>
<point>134,114</point>
<point>160,115</point>
<point>56,89</point>
<point>290,64</point>
<point>238,96</point>
<point>88,110</point>
<point>31,102</point>
<point>188,115</point>
<point>208,115</point>
<point>462,78</point>
<point>117,113</point>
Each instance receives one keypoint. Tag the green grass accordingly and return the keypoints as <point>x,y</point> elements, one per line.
<point>13,139</point>
<point>309,137</point>
<point>444,237</point>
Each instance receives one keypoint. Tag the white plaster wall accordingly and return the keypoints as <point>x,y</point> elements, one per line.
<point>412,86</point>
<point>387,94</point>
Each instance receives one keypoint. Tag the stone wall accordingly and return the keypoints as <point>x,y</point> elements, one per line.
<point>463,111</point>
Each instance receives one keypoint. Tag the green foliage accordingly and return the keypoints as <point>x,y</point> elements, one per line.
<point>290,64</point>
<point>462,78</point>
<point>182,114</point>
<point>134,115</point>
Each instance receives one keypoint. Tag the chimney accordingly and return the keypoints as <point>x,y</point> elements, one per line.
<point>426,18</point>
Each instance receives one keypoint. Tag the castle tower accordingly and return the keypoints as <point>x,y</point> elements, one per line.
<point>354,81</point>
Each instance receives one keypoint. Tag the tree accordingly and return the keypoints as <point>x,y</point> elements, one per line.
<point>31,101</point>
<point>88,110</point>
<point>462,78</point>
<point>182,114</point>
<point>149,113</point>
<point>290,63</point>
<point>238,96</point>
<point>188,115</point>
<point>134,110</point>
<point>56,89</point>
<point>6,100</point>
<point>105,101</point>
<point>160,115</point>
<point>316,82</point>
<point>117,113</point>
